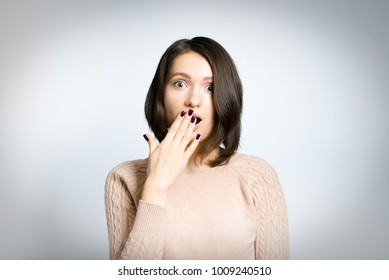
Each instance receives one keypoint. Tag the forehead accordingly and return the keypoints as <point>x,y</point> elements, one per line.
<point>192,64</point>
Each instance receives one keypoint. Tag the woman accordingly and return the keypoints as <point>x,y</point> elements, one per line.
<point>195,197</point>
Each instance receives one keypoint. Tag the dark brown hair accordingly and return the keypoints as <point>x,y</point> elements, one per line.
<point>227,98</point>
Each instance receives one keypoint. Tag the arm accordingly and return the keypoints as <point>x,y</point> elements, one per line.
<point>134,231</point>
<point>272,224</point>
<point>138,232</point>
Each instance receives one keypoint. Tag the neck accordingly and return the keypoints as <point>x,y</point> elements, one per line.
<point>195,160</point>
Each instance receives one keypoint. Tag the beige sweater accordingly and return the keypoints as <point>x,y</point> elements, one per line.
<point>235,211</point>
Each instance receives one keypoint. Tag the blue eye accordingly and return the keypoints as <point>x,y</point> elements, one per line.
<point>180,84</point>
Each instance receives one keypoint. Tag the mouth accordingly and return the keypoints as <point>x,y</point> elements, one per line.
<point>198,119</point>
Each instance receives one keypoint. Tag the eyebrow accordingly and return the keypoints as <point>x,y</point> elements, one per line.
<point>210,78</point>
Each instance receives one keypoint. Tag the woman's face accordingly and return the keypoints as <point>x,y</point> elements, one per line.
<point>190,86</point>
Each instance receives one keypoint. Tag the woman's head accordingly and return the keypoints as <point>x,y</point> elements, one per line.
<point>198,74</point>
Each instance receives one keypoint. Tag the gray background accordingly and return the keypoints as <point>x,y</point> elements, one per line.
<point>73,78</point>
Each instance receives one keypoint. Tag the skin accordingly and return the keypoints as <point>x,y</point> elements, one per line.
<point>189,86</point>
<point>188,94</point>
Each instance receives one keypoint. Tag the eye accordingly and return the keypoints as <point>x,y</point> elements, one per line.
<point>209,87</point>
<point>180,84</point>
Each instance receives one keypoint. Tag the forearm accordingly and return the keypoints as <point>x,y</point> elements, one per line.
<point>132,226</point>
<point>146,239</point>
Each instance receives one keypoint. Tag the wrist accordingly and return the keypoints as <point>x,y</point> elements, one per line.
<point>154,192</point>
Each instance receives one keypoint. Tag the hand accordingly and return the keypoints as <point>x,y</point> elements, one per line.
<point>168,160</point>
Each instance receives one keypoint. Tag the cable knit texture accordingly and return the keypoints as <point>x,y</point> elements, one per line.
<point>235,211</point>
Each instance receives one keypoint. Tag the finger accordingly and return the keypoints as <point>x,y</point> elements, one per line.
<point>188,134</point>
<point>192,147</point>
<point>174,127</point>
<point>181,131</point>
<point>151,141</point>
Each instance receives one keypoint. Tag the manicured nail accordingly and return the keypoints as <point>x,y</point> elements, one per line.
<point>190,112</point>
<point>145,137</point>
<point>192,120</point>
<point>182,113</point>
<point>198,136</point>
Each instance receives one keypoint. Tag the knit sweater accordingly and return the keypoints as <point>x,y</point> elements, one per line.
<point>234,211</point>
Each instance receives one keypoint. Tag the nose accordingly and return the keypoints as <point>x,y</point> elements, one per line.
<point>194,98</point>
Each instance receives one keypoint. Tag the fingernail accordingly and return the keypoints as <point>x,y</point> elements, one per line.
<point>190,112</point>
<point>192,120</point>
<point>182,113</point>
<point>145,137</point>
<point>198,136</point>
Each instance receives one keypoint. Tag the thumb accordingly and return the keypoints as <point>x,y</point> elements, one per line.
<point>151,141</point>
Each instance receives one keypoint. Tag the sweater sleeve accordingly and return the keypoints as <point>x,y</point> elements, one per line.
<point>271,240</point>
<point>269,207</point>
<point>135,228</point>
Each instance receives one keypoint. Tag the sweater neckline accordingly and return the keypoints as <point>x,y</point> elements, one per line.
<point>206,167</point>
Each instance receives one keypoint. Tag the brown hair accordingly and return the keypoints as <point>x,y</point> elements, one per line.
<point>227,98</point>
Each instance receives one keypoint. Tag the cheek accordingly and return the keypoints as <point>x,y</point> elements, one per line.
<point>210,109</point>
<point>210,105</point>
<point>170,109</point>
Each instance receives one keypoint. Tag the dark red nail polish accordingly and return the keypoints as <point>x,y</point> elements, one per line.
<point>197,136</point>
<point>182,113</point>
<point>145,137</point>
<point>190,112</point>
<point>192,120</point>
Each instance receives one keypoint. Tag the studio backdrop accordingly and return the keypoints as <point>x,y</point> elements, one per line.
<point>73,81</point>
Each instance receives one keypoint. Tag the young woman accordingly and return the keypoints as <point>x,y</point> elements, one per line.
<point>195,197</point>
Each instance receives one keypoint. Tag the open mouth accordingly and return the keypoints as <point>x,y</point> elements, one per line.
<point>198,119</point>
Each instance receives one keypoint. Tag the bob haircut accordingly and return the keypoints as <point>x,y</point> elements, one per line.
<point>227,98</point>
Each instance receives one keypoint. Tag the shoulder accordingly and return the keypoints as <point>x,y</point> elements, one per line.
<point>130,173</point>
<point>261,180</point>
<point>253,169</point>
<point>250,163</point>
<point>129,168</point>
